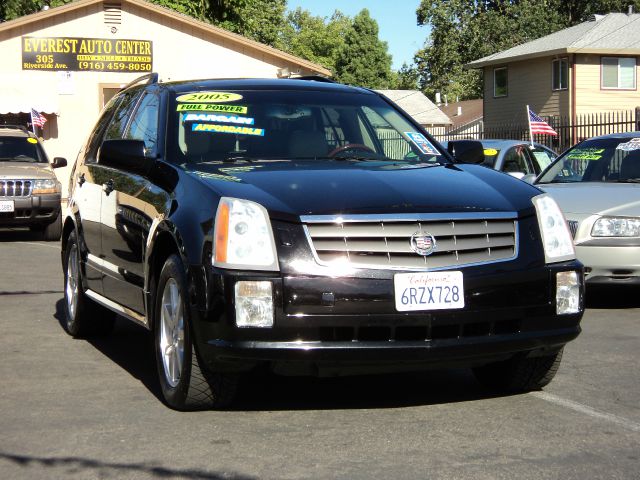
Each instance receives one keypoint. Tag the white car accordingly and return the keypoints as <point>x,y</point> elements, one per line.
<point>597,185</point>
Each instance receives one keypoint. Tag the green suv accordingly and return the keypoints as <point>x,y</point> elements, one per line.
<point>29,190</point>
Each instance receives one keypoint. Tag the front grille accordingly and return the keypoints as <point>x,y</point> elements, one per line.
<point>387,243</point>
<point>573,227</point>
<point>15,188</point>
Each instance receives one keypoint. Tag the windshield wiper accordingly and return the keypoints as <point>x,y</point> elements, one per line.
<point>239,158</point>
<point>628,180</point>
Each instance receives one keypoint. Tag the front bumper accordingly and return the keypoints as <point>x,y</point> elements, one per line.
<point>610,264</point>
<point>360,331</point>
<point>31,211</point>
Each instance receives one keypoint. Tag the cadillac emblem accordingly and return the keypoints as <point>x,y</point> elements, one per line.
<point>423,243</point>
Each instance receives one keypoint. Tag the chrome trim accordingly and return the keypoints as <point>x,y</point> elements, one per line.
<point>407,217</point>
<point>19,187</point>
<point>404,218</point>
<point>116,307</point>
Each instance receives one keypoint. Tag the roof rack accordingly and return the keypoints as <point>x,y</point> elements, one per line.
<point>315,78</point>
<point>20,127</point>
<point>149,77</point>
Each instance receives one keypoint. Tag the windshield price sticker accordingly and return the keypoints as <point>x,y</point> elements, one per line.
<point>210,117</point>
<point>633,144</point>
<point>208,127</point>
<point>210,107</point>
<point>209,97</point>
<point>6,206</point>
<point>428,291</point>
<point>420,141</point>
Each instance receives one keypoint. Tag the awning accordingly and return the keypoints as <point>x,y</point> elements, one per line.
<point>23,94</point>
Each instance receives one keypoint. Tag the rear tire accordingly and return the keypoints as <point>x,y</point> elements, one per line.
<point>519,374</point>
<point>185,384</point>
<point>82,316</point>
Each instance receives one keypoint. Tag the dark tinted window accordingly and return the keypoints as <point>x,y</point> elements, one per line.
<point>95,138</point>
<point>294,125</point>
<point>144,124</point>
<point>119,121</point>
<point>598,160</point>
<point>20,149</point>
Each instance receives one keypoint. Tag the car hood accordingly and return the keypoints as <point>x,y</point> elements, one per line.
<point>347,187</point>
<point>26,170</point>
<point>596,198</point>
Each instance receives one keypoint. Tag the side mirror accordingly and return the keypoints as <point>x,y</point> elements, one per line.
<point>59,162</point>
<point>466,151</point>
<point>127,155</point>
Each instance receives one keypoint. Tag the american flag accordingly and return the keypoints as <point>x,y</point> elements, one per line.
<point>538,125</point>
<point>37,119</point>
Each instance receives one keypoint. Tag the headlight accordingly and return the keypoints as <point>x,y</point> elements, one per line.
<point>48,185</point>
<point>243,238</point>
<point>556,238</point>
<point>616,227</point>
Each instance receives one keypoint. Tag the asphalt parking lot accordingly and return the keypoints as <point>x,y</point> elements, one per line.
<point>91,409</point>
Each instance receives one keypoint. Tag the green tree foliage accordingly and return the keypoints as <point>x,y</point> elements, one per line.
<point>12,9</point>
<point>465,30</point>
<point>315,38</point>
<point>363,59</point>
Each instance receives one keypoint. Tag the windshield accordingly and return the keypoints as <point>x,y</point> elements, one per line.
<point>20,149</point>
<point>294,125</point>
<point>608,160</point>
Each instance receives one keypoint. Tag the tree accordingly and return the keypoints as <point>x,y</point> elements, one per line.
<point>315,38</point>
<point>11,9</point>
<point>465,30</point>
<point>363,59</point>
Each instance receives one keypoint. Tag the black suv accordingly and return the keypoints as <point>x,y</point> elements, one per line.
<point>29,190</point>
<point>313,228</point>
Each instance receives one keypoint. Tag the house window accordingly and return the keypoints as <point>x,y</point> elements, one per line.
<point>500,82</point>
<point>619,73</point>
<point>559,74</point>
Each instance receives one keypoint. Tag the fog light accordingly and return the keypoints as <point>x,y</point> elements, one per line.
<point>567,293</point>
<point>254,304</point>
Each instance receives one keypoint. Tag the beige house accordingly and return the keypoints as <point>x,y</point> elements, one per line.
<point>66,62</point>
<point>418,106</point>
<point>585,69</point>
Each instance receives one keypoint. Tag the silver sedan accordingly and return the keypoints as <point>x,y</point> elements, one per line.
<point>597,185</point>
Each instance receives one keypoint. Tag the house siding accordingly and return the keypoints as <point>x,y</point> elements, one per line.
<point>529,83</point>
<point>590,98</point>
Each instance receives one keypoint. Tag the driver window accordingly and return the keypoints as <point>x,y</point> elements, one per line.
<point>144,124</point>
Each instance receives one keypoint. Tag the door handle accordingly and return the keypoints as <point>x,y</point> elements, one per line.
<point>81,179</point>
<point>107,187</point>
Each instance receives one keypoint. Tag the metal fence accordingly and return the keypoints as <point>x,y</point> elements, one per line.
<point>569,133</point>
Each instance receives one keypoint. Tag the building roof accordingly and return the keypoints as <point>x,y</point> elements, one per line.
<point>221,33</point>
<point>615,33</point>
<point>470,111</point>
<point>418,106</point>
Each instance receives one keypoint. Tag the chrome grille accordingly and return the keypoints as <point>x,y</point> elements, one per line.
<point>573,227</point>
<point>16,188</point>
<point>386,243</point>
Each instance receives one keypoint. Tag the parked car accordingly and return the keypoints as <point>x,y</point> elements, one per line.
<point>313,228</point>
<point>29,190</point>
<point>516,157</point>
<point>597,185</point>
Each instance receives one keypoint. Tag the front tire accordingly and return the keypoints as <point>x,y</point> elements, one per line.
<point>519,374</point>
<point>185,384</point>
<point>52,232</point>
<point>82,316</point>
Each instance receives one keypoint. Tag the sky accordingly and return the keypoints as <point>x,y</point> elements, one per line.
<point>396,20</point>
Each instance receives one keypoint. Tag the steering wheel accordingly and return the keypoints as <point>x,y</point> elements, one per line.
<point>350,146</point>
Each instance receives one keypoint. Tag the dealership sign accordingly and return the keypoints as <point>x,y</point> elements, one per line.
<point>86,54</point>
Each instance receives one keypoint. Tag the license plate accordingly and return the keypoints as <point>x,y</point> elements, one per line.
<point>6,206</point>
<point>428,291</point>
